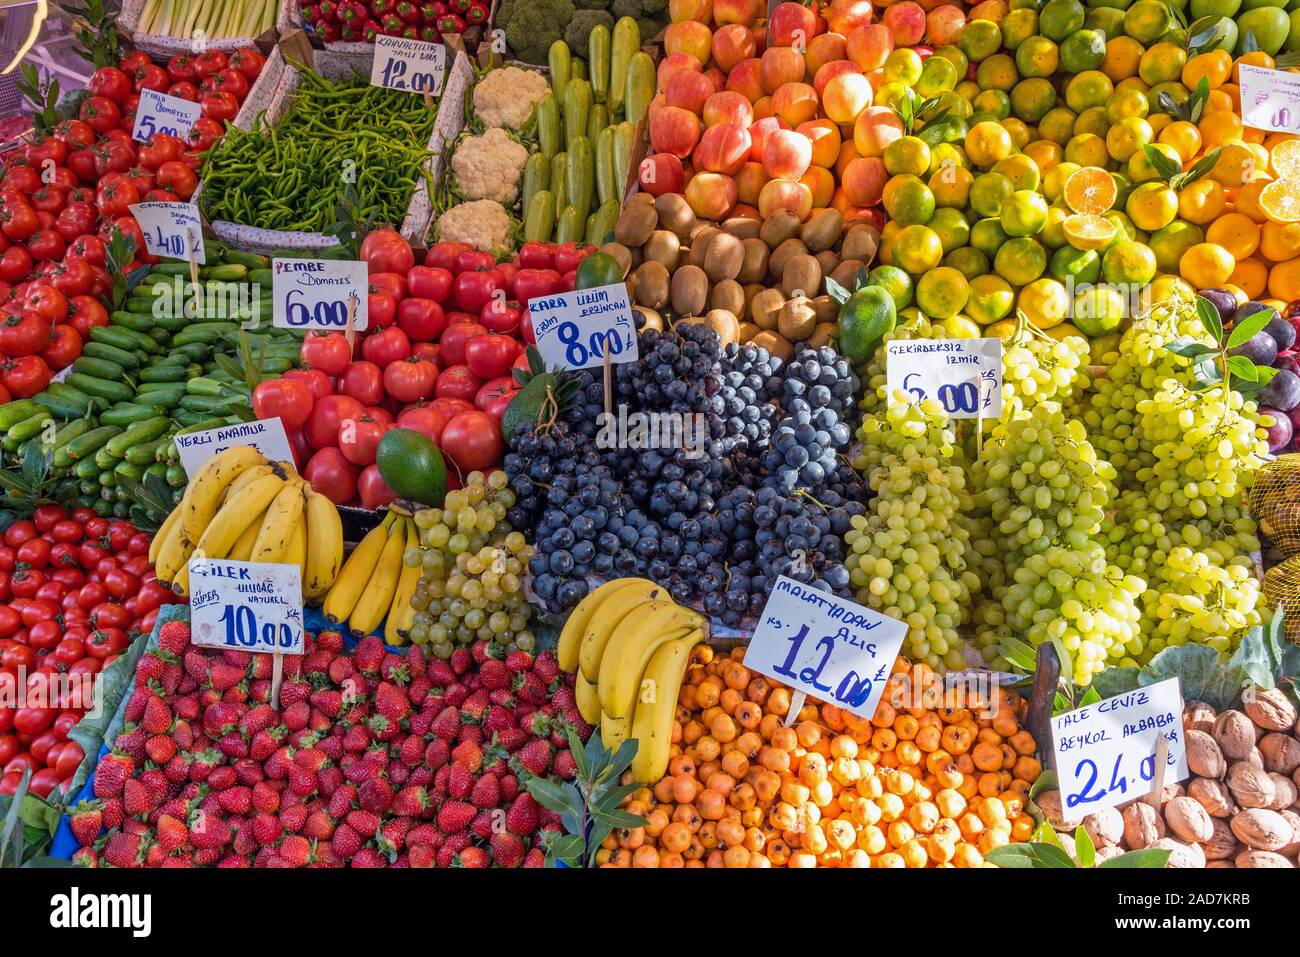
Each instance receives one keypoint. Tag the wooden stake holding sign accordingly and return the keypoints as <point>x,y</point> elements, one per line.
<point>796,705</point>
<point>194,273</point>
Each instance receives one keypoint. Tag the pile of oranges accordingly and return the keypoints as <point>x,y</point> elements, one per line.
<point>935,779</point>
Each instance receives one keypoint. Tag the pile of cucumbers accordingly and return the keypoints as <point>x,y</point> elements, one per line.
<point>166,364</point>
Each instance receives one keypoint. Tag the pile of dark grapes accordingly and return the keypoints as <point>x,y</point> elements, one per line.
<point>765,491</point>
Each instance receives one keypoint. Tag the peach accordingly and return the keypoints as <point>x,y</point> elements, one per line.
<point>830,71</point>
<point>780,65</point>
<point>846,96</point>
<point>728,106</point>
<point>864,180</point>
<point>845,16</point>
<point>744,211</point>
<point>875,128</point>
<point>744,12</point>
<point>943,24</point>
<point>820,183</point>
<point>783,194</point>
<point>791,25</point>
<point>674,130</point>
<point>689,91</point>
<point>824,48</point>
<point>749,182</point>
<point>661,173</point>
<point>693,37</point>
<point>759,131</point>
<point>723,149</point>
<point>796,102</point>
<point>746,78</point>
<point>870,45</point>
<point>701,10</point>
<point>673,64</point>
<point>848,153</point>
<point>825,138</point>
<point>733,43</point>
<point>906,21</point>
<point>786,154</point>
<point>711,195</point>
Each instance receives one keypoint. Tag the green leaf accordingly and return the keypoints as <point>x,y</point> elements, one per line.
<point>1018,653</point>
<point>1167,103</point>
<point>1084,849</point>
<point>1061,704</point>
<point>568,848</point>
<point>1242,368</point>
<point>1013,856</point>
<point>555,796</point>
<point>1209,316</point>
<point>1052,856</point>
<point>1162,164</point>
<point>618,818</point>
<point>1046,782</point>
<point>1196,103</point>
<point>837,292</point>
<point>1062,655</point>
<point>1202,674</point>
<point>10,834</point>
<point>1151,857</point>
<point>1089,697</point>
<point>1246,327</point>
<point>599,831</point>
<point>1248,44</point>
<point>860,278</point>
<point>1198,169</point>
<point>1189,348</point>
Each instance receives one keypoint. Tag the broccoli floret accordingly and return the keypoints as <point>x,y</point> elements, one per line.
<point>628,8</point>
<point>535,25</point>
<point>592,4</point>
<point>653,7</point>
<point>579,30</point>
<point>649,28</point>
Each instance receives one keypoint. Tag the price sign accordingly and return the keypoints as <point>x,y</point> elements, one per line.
<point>828,648</point>
<point>160,113</point>
<point>265,435</point>
<point>411,65</point>
<point>319,294</point>
<point>1106,752</point>
<point>965,375</point>
<point>173,230</point>
<point>247,606</point>
<point>574,329</point>
<point>1270,99</point>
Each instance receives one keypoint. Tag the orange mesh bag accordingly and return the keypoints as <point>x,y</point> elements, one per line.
<point>1275,503</point>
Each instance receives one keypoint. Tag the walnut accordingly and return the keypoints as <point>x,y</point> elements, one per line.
<point>1204,757</point>
<point>1262,859</point>
<point>1049,802</point>
<point>1143,826</point>
<point>1272,710</point>
<point>1281,752</point>
<point>1222,844</point>
<point>1292,849</point>
<point>1219,864</point>
<point>1183,855</point>
<point>1198,716</point>
<point>1251,786</point>
<point>1067,842</point>
<point>1106,853</point>
<point>1105,827</point>
<point>1235,735</point>
<point>1213,795</point>
<point>1187,819</point>
<point>1262,829</point>
<point>1284,792</point>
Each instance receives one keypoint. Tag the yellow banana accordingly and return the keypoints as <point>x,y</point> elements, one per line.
<point>171,553</point>
<point>325,546</point>
<point>296,553</point>
<point>614,731</point>
<point>400,613</point>
<point>642,633</point>
<point>355,574</point>
<point>243,548</point>
<point>237,514</point>
<point>606,619</point>
<point>378,596</point>
<point>566,651</point>
<point>247,476</point>
<point>284,512</point>
<point>652,722</point>
<point>165,529</point>
<point>588,702</point>
<point>203,493</point>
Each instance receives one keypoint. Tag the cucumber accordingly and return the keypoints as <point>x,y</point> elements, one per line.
<point>603,221</point>
<point>101,388</point>
<point>605,188</point>
<point>85,446</point>
<point>640,88</point>
<point>168,372</point>
<point>537,176</point>
<point>624,144</point>
<point>176,475</point>
<point>11,413</point>
<point>539,220</point>
<point>102,350</point>
<point>580,175</point>
<point>597,121</point>
<point>62,408</point>
<point>99,368</point>
<point>137,321</point>
<point>569,227</point>
<point>260,277</point>
<point>143,453</point>
<point>28,428</point>
<point>548,123</point>
<point>626,41</point>
<point>131,470</point>
<point>139,433</point>
<point>248,260</point>
<point>228,272</point>
<point>85,469</point>
<point>70,431</point>
<point>560,62</point>
<point>598,58</point>
<point>106,459</point>
<point>125,339</point>
<point>128,413</point>
<point>559,167</point>
<point>576,107</point>
<point>68,393</point>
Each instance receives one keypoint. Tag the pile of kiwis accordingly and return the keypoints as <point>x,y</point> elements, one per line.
<point>750,280</point>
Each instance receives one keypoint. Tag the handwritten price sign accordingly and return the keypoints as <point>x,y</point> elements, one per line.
<point>247,606</point>
<point>171,229</point>
<point>965,375</point>
<point>574,329</point>
<point>319,294</point>
<point>830,649</point>
<point>1270,99</point>
<point>410,65</point>
<point>1106,752</point>
<point>265,435</point>
<point>160,113</point>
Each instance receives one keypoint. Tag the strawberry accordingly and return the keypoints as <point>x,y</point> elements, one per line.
<point>160,749</point>
<point>530,688</point>
<point>86,819</point>
<point>547,667</point>
<point>124,850</point>
<point>111,774</point>
<point>157,716</point>
<point>172,833</point>
<point>517,661</point>
<point>468,754</point>
<point>447,724</point>
<point>522,818</point>
<point>224,676</point>
<point>486,792</point>
<point>294,692</point>
<point>295,850</point>
<point>375,795</point>
<point>391,702</point>
<point>421,855</point>
<point>318,826</point>
<point>150,668</point>
<point>266,828</point>
<point>507,849</point>
<point>494,674</point>
<point>368,655</point>
<point>363,822</point>
<point>440,673</point>
<point>460,781</point>
<point>472,857</point>
<point>565,768</point>
<point>258,718</point>
<point>369,857</point>
<point>346,842</point>
<point>535,858</point>
<point>484,823</point>
<point>455,816</point>
<point>512,739</point>
<point>474,707</point>
<point>410,802</point>
<point>437,753</point>
<point>534,757</point>
<point>460,661</point>
<point>174,637</point>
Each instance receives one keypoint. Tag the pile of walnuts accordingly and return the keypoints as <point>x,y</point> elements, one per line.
<point>1240,807</point>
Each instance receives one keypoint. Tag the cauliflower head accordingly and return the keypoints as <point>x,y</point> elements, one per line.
<point>489,166</point>
<point>506,97</point>
<point>484,224</point>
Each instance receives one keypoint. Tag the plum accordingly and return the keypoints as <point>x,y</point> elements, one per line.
<point>1294,416</point>
<point>1282,391</point>
<point>1282,331</point>
<point>1279,433</point>
<point>1223,300</point>
<point>1261,349</point>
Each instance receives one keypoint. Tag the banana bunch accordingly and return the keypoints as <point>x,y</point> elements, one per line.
<point>630,644</point>
<point>243,507</point>
<point>375,584</point>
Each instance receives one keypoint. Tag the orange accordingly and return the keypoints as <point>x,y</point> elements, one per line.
<point>1218,128</point>
<point>1284,280</point>
<point>1251,276</point>
<point>1215,65</point>
<point>1045,153</point>
<point>987,142</point>
<point>1237,164</point>
<point>1246,201</point>
<point>1284,158</point>
<point>1089,231</point>
<point>1087,149</point>
<point>1235,233</point>
<point>1202,202</point>
<point>1206,265</point>
<point>1090,190</point>
<point>1183,137</point>
<point>1254,58</point>
<point>1280,200</point>
<point>1279,242</point>
<point>1123,58</point>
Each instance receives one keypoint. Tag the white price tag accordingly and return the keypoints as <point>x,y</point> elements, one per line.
<point>1270,99</point>
<point>265,435</point>
<point>247,606</point>
<point>965,375</point>
<point>171,229</point>
<point>830,649</point>
<point>319,293</point>
<point>573,328</point>
<point>415,66</point>
<point>1106,752</point>
<point>160,113</point>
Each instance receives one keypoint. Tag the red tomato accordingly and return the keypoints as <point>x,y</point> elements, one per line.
<point>458,382</point>
<point>501,316</point>
<point>105,641</point>
<point>20,531</point>
<point>383,308</point>
<point>184,90</point>
<point>394,283</point>
<point>410,380</point>
<point>10,621</point>
<point>121,584</point>
<point>443,255</point>
<point>374,492</point>
<point>568,256</point>
<point>430,282</point>
<point>491,356</point>
<point>534,283</point>
<point>24,334</point>
<point>151,77</point>
<point>210,62</point>
<point>92,594</point>
<point>384,250</point>
<point>47,516</point>
<point>35,552</point>
<point>536,256</point>
<point>471,291</point>
<point>177,177</point>
<point>47,245</point>
<point>502,385</point>
<point>44,782</point>
<point>49,199</point>
<point>47,302</point>
<point>15,262</point>
<point>45,635</point>
<point>426,420</point>
<point>363,381</point>
<point>284,398</point>
<point>332,475</point>
<point>472,260</point>
<point>204,133</point>
<point>88,247</point>
<point>473,441</point>
<point>74,277</point>
<point>248,62</point>
<point>421,319</point>
<point>113,156</point>
<point>231,81</point>
<point>219,105</point>
<point>100,113</point>
<point>76,134</point>
<point>18,221</point>
<point>181,67</point>
<point>26,376</point>
<point>496,406</point>
<point>359,438</point>
<point>33,720</point>
<point>327,351</point>
<point>110,82</point>
<point>322,428</point>
<point>163,148</point>
<point>451,346</point>
<point>389,346</point>
<point>86,313</point>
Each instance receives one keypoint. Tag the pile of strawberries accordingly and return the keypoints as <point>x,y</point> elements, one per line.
<point>374,759</point>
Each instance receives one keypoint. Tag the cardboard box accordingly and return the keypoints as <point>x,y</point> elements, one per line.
<point>166,46</point>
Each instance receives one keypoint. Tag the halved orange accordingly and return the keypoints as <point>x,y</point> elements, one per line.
<point>1285,159</point>
<point>1280,200</point>
<point>1088,230</point>
<point>1090,190</point>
